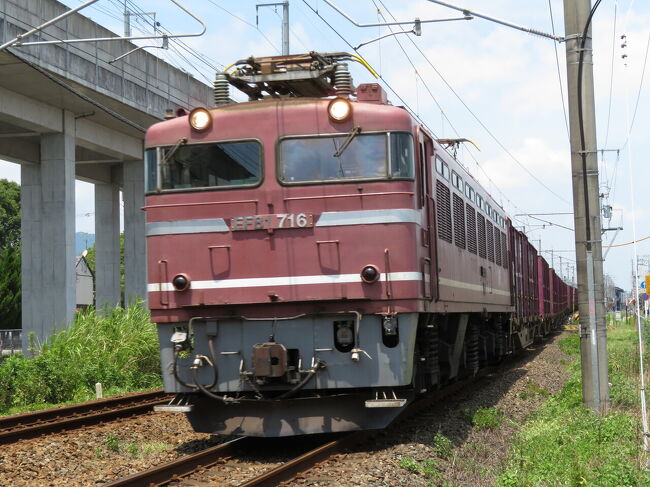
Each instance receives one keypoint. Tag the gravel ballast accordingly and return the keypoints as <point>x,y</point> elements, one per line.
<point>406,455</point>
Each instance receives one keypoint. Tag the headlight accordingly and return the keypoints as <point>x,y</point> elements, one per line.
<point>200,119</point>
<point>339,109</point>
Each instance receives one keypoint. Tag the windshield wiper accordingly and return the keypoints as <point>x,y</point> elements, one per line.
<point>173,150</point>
<point>351,135</point>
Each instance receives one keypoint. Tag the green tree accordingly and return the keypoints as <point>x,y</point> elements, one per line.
<point>9,214</point>
<point>10,305</point>
<point>91,258</point>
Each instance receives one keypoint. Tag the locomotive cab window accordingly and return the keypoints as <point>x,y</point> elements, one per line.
<point>346,157</point>
<point>213,165</point>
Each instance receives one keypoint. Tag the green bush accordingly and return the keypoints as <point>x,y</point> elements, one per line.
<point>118,348</point>
<point>442,446</point>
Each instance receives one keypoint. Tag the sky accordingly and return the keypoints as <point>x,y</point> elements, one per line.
<point>503,89</point>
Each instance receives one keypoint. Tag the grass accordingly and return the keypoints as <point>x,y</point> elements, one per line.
<point>112,444</point>
<point>118,348</point>
<point>427,468</point>
<point>442,446</point>
<point>565,444</point>
<point>487,418</point>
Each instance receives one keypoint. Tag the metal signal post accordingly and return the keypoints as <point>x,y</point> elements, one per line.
<point>584,168</point>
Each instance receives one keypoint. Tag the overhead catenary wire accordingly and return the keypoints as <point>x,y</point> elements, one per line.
<point>559,74</point>
<point>245,22</point>
<point>483,125</point>
<point>443,113</point>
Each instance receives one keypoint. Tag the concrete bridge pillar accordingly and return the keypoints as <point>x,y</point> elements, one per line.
<point>135,245</point>
<point>107,245</point>
<point>48,226</point>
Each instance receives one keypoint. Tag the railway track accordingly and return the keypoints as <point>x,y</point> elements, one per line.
<point>30,425</point>
<point>173,472</point>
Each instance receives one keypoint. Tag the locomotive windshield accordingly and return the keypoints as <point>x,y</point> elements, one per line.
<point>211,165</point>
<point>368,156</point>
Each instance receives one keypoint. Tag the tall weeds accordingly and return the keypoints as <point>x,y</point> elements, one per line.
<point>118,348</point>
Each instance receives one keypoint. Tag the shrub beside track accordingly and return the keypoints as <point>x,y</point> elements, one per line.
<point>118,348</point>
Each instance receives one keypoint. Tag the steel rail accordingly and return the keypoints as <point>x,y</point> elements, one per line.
<point>30,425</point>
<point>172,471</point>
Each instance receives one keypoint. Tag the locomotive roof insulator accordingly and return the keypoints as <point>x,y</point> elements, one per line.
<point>343,80</point>
<point>221,90</point>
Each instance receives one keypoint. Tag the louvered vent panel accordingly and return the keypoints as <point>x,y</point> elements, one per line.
<point>504,249</point>
<point>443,211</point>
<point>459,221</point>
<point>480,221</point>
<point>471,228</point>
<point>497,246</point>
<point>489,231</point>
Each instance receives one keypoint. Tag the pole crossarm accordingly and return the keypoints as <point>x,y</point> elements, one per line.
<point>468,12</point>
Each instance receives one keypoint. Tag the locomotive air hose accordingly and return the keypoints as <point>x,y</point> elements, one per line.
<point>310,373</point>
<point>196,384</point>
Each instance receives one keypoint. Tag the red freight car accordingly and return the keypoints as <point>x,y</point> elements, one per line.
<point>316,258</point>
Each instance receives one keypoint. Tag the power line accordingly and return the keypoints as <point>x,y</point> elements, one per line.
<point>611,74</point>
<point>436,102</point>
<point>559,75</point>
<point>245,22</point>
<point>638,96</point>
<point>483,125</point>
<point>406,105</point>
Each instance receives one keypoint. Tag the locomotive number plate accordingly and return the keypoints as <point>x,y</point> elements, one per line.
<point>263,222</point>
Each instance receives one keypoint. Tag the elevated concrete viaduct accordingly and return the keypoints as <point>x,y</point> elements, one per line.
<point>66,113</point>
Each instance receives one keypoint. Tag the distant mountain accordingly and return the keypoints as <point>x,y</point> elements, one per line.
<point>83,241</point>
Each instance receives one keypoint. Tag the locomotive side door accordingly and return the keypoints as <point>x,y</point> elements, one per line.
<point>430,264</point>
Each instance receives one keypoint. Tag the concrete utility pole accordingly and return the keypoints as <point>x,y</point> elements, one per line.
<point>584,168</point>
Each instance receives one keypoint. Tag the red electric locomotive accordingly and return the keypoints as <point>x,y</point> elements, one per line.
<point>316,258</point>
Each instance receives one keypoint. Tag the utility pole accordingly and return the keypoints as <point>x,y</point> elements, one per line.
<point>586,202</point>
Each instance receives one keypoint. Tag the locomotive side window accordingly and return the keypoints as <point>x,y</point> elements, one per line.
<point>151,169</point>
<point>401,155</point>
<point>341,157</point>
<point>439,165</point>
<point>212,165</point>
